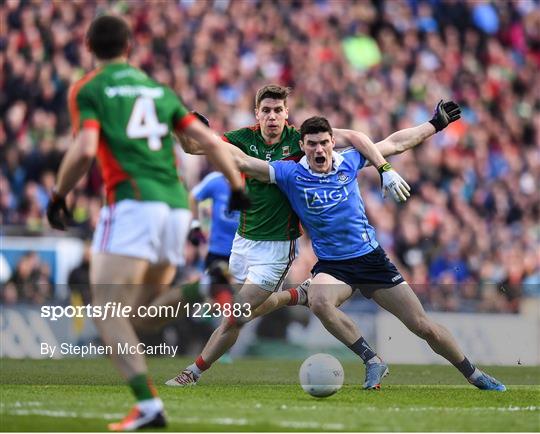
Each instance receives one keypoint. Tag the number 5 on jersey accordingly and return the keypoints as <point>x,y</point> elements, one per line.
<point>144,123</point>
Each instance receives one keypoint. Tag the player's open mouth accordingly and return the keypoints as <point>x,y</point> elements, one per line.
<point>320,160</point>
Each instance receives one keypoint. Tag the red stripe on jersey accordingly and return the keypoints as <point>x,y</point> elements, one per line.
<point>182,124</point>
<point>74,111</point>
<point>111,170</point>
<point>92,124</point>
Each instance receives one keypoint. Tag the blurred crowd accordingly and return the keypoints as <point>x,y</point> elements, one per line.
<point>30,281</point>
<point>469,237</point>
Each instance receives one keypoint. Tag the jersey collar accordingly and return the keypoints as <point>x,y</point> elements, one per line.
<point>337,159</point>
<point>257,129</point>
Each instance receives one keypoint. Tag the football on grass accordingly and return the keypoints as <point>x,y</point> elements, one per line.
<point>321,375</point>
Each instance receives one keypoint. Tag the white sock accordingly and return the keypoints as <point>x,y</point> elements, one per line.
<point>195,369</point>
<point>477,373</point>
<point>150,405</point>
<point>374,359</point>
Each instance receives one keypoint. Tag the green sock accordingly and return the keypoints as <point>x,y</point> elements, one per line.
<point>190,292</point>
<point>142,387</point>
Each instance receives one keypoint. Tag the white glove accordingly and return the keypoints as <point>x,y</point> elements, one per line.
<point>393,183</point>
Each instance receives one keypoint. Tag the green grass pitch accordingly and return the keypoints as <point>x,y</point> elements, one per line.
<point>264,395</point>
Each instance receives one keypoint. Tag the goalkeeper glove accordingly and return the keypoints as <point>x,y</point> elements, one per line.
<point>445,113</point>
<point>195,234</point>
<point>58,213</point>
<point>393,183</point>
<point>239,200</point>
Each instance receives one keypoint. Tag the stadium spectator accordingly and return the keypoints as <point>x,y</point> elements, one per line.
<point>474,185</point>
<point>30,282</point>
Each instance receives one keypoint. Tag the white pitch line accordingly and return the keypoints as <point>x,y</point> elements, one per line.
<point>228,421</point>
<point>18,410</point>
<point>113,416</point>
<point>311,425</point>
<point>63,414</point>
<point>460,409</point>
<point>457,386</point>
<point>510,408</point>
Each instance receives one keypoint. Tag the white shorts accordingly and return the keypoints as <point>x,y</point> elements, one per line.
<point>147,230</point>
<point>264,263</point>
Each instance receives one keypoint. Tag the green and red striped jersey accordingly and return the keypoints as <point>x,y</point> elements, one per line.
<point>135,116</point>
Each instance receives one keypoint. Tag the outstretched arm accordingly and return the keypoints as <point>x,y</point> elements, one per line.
<point>215,151</point>
<point>190,145</point>
<point>361,142</point>
<point>258,169</point>
<point>396,143</point>
<point>253,167</point>
<point>403,140</point>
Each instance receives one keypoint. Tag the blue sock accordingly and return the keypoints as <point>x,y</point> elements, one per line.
<point>465,367</point>
<point>362,349</point>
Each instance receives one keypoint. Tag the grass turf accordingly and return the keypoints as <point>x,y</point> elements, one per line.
<point>256,395</point>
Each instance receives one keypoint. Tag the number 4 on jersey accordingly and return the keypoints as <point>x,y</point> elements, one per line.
<point>144,123</point>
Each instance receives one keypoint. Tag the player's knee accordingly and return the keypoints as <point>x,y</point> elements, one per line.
<point>233,324</point>
<point>425,328</point>
<point>320,306</point>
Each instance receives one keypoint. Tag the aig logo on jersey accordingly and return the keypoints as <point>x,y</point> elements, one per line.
<point>317,198</point>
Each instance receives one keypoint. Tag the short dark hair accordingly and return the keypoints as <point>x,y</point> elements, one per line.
<point>314,125</point>
<point>108,36</point>
<point>274,91</point>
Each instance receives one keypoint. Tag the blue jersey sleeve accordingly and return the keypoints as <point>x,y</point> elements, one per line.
<point>282,173</point>
<point>206,188</point>
<point>356,158</point>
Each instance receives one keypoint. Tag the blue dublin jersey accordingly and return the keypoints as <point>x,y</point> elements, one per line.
<point>224,223</point>
<point>329,205</point>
